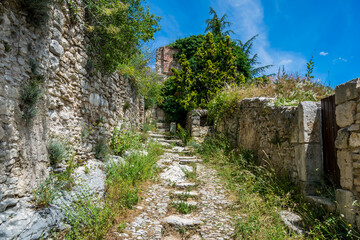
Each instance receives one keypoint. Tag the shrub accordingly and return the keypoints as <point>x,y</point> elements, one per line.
<point>37,11</point>
<point>101,149</point>
<point>30,95</point>
<point>57,151</point>
<point>47,192</point>
<point>147,81</point>
<point>124,139</point>
<point>183,134</point>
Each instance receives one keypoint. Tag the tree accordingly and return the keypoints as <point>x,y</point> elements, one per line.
<point>253,60</point>
<point>189,88</point>
<point>117,29</point>
<point>217,25</point>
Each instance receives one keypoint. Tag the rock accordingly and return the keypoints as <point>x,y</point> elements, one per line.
<point>327,204</point>
<point>354,140</point>
<point>293,221</point>
<point>345,164</point>
<point>190,161</point>
<point>91,176</point>
<point>345,200</point>
<point>7,203</point>
<point>94,99</point>
<point>184,185</point>
<point>175,173</point>
<point>192,203</point>
<point>341,141</point>
<point>2,133</point>
<point>181,222</point>
<point>56,34</point>
<point>345,114</point>
<point>347,91</point>
<point>56,48</point>
<point>190,194</point>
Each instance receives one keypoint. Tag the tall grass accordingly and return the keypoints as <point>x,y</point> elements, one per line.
<point>262,193</point>
<point>286,89</point>
<point>91,219</point>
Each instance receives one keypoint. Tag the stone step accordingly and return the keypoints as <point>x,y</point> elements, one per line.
<point>171,141</point>
<point>182,222</point>
<point>187,157</point>
<point>326,203</point>
<point>184,185</point>
<point>192,203</point>
<point>182,193</point>
<point>162,130</point>
<point>162,125</point>
<point>156,135</point>
<point>190,161</point>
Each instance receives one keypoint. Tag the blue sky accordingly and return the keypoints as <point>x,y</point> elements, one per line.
<point>290,32</point>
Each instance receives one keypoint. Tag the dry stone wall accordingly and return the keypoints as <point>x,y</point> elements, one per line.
<point>78,105</point>
<point>347,100</point>
<point>286,138</point>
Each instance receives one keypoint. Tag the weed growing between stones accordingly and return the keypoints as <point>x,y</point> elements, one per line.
<point>183,207</point>
<point>91,219</point>
<point>190,174</point>
<point>57,151</point>
<point>46,192</point>
<point>263,193</point>
<point>121,227</point>
<point>183,134</point>
<point>101,149</point>
<point>30,95</point>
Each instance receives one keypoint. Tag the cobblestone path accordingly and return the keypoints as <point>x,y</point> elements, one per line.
<point>188,202</point>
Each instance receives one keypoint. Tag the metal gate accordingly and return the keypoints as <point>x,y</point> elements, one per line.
<point>329,133</point>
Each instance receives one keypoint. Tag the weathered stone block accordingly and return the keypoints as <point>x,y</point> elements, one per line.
<point>309,162</point>
<point>345,206</point>
<point>342,138</point>
<point>2,133</point>
<point>309,122</point>
<point>354,127</point>
<point>56,48</point>
<point>354,140</point>
<point>347,91</point>
<point>345,164</point>
<point>345,114</point>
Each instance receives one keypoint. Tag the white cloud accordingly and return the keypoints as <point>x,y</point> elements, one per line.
<point>324,53</point>
<point>343,59</point>
<point>247,17</point>
<point>285,62</point>
<point>339,59</point>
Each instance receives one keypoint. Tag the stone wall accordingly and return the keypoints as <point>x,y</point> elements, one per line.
<point>347,100</point>
<point>79,105</point>
<point>165,61</point>
<point>196,124</point>
<point>286,138</point>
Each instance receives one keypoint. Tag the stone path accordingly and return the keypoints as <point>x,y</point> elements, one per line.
<point>184,183</point>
